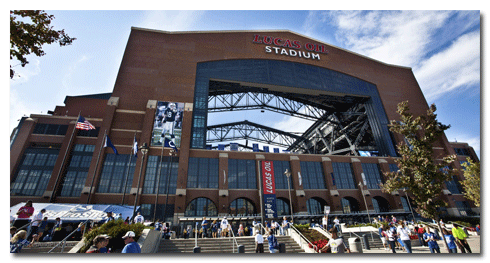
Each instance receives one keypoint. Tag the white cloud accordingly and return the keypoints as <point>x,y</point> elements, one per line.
<point>171,20</point>
<point>457,67</point>
<point>292,124</point>
<point>24,74</point>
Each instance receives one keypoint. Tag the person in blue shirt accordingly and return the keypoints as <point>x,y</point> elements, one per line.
<point>273,246</point>
<point>204,226</point>
<point>431,240</point>
<point>131,245</point>
<point>450,240</point>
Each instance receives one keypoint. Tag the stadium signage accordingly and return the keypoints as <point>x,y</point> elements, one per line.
<point>270,210</point>
<point>290,47</point>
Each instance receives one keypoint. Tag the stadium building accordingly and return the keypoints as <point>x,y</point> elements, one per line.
<point>168,85</point>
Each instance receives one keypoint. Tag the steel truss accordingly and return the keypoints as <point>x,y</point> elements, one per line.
<point>341,123</point>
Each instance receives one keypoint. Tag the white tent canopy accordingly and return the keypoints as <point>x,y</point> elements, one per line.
<point>77,212</point>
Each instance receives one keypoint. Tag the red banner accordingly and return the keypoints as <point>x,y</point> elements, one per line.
<point>268,182</point>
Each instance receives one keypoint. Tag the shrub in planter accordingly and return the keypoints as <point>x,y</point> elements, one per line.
<point>116,229</point>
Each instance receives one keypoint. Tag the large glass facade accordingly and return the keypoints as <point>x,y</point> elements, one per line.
<point>288,74</point>
<point>242,174</point>
<point>282,207</point>
<point>314,206</point>
<point>203,173</point>
<point>279,176</point>
<point>242,207</point>
<point>343,176</point>
<point>312,175</point>
<point>115,174</point>
<point>76,175</point>
<point>34,172</point>
<point>154,167</point>
<point>201,207</point>
<point>372,175</point>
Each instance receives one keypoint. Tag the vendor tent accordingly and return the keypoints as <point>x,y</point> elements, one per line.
<point>77,212</point>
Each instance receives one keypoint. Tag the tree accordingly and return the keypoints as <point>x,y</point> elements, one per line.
<point>419,174</point>
<point>471,183</point>
<point>29,37</point>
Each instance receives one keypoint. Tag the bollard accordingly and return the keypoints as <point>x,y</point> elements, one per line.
<point>282,248</point>
<point>365,239</point>
<point>241,249</point>
<point>197,249</point>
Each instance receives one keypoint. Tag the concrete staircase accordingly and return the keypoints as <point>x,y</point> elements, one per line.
<point>44,247</point>
<point>222,245</point>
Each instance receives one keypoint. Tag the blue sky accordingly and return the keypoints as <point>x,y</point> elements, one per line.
<point>442,48</point>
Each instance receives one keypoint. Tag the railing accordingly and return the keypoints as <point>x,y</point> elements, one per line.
<point>63,242</point>
<point>291,226</point>
<point>25,226</point>
<point>233,241</point>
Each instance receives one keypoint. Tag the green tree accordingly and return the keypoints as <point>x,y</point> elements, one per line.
<point>29,37</point>
<point>471,183</point>
<point>419,173</point>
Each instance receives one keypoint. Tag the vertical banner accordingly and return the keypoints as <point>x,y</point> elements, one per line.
<point>276,150</point>
<point>255,147</point>
<point>221,147</point>
<point>167,123</point>
<point>269,188</point>
<point>233,146</point>
<point>266,149</point>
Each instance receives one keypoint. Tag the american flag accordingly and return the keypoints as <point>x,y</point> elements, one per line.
<point>83,124</point>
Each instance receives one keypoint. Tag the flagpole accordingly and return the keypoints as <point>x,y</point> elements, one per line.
<point>158,183</point>
<point>96,165</point>
<point>127,172</point>
<point>51,199</point>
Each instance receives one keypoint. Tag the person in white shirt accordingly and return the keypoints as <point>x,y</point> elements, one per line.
<point>325,222</point>
<point>139,218</point>
<point>224,226</point>
<point>277,226</point>
<point>259,242</point>
<point>285,226</point>
<point>404,234</point>
<point>256,227</point>
<point>336,223</point>
<point>36,221</point>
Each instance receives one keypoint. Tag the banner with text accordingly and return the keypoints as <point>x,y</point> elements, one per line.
<point>269,186</point>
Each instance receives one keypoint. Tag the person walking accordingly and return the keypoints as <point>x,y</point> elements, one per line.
<point>224,227</point>
<point>336,243</point>
<point>383,236</point>
<point>19,241</point>
<point>139,218</point>
<point>99,244</point>
<point>461,236</point>
<point>285,226</point>
<point>273,246</point>
<point>450,240</point>
<point>431,240</point>
<point>325,222</point>
<point>131,245</point>
<point>259,242</point>
<point>36,222</point>
<point>336,223</point>
<point>204,227</point>
<point>404,234</point>
<point>391,235</point>
<point>23,214</point>
<point>420,234</point>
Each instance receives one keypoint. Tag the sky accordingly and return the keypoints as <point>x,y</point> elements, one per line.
<point>441,47</point>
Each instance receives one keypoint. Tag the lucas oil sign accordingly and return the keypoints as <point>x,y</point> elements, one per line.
<point>291,48</point>
<point>269,186</point>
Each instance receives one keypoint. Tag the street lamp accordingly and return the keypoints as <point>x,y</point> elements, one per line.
<point>144,150</point>
<point>288,174</point>
<point>409,205</point>
<point>362,193</point>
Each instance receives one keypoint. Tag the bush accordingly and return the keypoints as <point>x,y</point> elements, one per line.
<point>116,229</point>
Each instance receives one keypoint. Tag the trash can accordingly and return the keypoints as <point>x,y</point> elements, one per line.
<point>282,248</point>
<point>365,239</point>
<point>197,249</point>
<point>355,245</point>
<point>241,249</point>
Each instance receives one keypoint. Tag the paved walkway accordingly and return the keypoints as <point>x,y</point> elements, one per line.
<point>473,241</point>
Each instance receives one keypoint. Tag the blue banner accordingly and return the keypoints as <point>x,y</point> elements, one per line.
<point>255,147</point>
<point>221,147</point>
<point>233,146</point>
<point>276,150</point>
<point>266,149</point>
<point>270,210</point>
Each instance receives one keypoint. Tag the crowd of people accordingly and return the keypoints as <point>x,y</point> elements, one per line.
<point>396,236</point>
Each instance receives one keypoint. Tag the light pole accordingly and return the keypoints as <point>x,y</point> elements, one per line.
<point>288,174</point>
<point>144,149</point>
<point>409,205</point>
<point>367,208</point>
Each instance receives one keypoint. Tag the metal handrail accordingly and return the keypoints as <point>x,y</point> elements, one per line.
<point>66,238</point>
<point>302,236</point>
<point>234,239</point>
<point>25,226</point>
